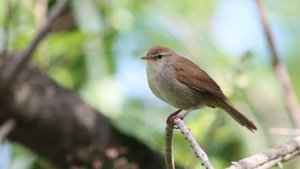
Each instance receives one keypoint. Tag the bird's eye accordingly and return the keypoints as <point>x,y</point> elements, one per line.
<point>159,56</point>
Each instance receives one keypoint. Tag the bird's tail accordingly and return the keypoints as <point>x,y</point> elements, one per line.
<point>237,116</point>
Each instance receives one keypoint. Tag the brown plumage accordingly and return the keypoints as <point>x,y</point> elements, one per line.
<point>181,83</point>
<point>196,77</point>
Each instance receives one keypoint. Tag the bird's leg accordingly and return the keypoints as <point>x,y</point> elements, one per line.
<point>175,115</point>
<point>185,113</point>
<point>171,116</point>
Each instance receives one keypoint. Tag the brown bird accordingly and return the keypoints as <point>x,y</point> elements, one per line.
<point>181,83</point>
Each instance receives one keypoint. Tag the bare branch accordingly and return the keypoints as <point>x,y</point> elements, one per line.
<point>169,159</point>
<point>198,150</point>
<point>279,68</point>
<point>271,157</point>
<point>72,132</point>
<point>26,55</point>
<point>6,128</point>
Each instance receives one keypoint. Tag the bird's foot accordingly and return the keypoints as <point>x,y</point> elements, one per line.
<point>173,116</point>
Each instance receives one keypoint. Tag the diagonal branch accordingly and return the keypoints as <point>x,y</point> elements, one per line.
<point>42,32</point>
<point>279,68</point>
<point>271,157</point>
<point>190,138</point>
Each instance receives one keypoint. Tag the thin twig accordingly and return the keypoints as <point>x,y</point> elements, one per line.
<point>42,32</point>
<point>169,159</point>
<point>6,128</point>
<point>279,68</point>
<point>198,150</point>
<point>271,157</point>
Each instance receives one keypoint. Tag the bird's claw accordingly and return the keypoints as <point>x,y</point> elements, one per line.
<point>171,119</point>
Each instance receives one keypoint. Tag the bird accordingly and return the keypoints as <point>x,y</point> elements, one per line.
<point>184,85</point>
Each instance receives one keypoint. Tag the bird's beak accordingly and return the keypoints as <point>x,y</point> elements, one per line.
<point>146,58</point>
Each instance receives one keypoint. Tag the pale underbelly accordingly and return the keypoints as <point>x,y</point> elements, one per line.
<point>177,94</point>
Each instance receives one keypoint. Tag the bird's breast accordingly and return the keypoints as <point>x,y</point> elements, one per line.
<point>163,83</point>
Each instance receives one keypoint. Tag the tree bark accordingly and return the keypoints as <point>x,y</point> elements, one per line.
<point>57,124</point>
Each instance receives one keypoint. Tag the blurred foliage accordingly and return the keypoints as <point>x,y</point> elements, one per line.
<point>98,56</point>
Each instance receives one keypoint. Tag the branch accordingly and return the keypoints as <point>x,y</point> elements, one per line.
<point>271,157</point>
<point>59,126</point>
<point>279,68</point>
<point>198,150</point>
<point>169,159</point>
<point>6,128</point>
<point>43,30</point>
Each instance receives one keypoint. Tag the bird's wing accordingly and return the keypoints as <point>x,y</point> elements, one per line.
<point>191,75</point>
